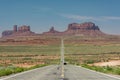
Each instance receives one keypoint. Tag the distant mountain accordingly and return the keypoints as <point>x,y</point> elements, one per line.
<point>18,31</point>
<point>74,29</point>
<point>83,29</point>
<point>84,32</point>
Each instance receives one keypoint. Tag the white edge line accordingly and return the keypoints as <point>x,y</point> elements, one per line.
<point>100,73</point>
<point>17,74</point>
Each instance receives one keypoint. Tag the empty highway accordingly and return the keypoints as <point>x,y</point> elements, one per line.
<point>53,73</point>
<point>60,72</point>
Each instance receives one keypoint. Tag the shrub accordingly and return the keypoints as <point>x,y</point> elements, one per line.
<point>18,69</point>
<point>89,61</point>
<point>105,69</point>
<point>117,70</point>
<point>11,69</point>
<point>4,72</point>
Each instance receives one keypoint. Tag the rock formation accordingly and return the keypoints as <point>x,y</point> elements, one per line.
<point>87,28</point>
<point>7,33</point>
<point>22,30</point>
<point>83,29</point>
<point>52,31</point>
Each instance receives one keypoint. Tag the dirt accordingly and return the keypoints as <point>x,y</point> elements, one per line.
<point>20,62</point>
<point>109,63</point>
<point>27,65</point>
<point>24,65</point>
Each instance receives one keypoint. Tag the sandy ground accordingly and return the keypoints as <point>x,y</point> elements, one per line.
<point>110,63</point>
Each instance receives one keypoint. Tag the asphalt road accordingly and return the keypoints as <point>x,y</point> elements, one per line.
<point>44,73</point>
<point>53,73</point>
<point>79,73</point>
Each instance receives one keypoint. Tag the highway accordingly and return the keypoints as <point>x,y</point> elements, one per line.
<point>60,72</point>
<point>53,73</point>
<point>80,73</point>
<point>45,73</point>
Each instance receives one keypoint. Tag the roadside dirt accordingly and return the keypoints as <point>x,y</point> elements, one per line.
<point>109,63</point>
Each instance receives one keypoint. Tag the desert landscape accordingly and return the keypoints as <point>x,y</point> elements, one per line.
<point>85,43</point>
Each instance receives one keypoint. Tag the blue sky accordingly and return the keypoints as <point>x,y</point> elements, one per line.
<point>42,14</point>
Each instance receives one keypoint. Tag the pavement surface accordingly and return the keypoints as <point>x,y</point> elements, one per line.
<point>53,73</point>
<point>80,73</point>
<point>45,73</point>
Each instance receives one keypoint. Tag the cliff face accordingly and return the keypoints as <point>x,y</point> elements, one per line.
<point>87,28</point>
<point>83,26</point>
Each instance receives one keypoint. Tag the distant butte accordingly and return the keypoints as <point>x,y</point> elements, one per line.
<point>83,29</point>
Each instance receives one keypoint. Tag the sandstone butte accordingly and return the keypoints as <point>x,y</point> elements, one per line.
<point>83,29</point>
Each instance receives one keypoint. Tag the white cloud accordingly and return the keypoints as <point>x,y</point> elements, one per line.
<point>112,18</point>
<point>77,17</point>
<point>100,18</point>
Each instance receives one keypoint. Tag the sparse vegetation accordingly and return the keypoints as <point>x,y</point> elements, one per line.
<point>91,48</point>
<point>45,49</point>
<point>25,57</point>
<point>105,69</point>
<point>17,58</point>
<point>12,69</point>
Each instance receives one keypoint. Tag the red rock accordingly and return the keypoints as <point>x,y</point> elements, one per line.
<point>87,28</point>
<point>83,29</point>
<point>20,31</point>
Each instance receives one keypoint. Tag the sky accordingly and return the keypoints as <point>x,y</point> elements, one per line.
<point>43,14</point>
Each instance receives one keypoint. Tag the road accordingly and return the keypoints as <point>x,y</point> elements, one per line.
<point>61,72</point>
<point>53,73</point>
<point>79,73</point>
<point>44,73</point>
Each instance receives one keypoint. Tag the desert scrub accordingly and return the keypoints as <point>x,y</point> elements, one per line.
<point>37,66</point>
<point>12,69</point>
<point>104,69</point>
<point>117,70</point>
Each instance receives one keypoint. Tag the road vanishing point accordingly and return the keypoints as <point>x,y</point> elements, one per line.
<point>60,72</point>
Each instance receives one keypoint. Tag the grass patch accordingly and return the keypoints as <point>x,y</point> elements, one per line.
<point>50,49</point>
<point>4,71</point>
<point>104,69</point>
<point>91,48</point>
<point>10,70</point>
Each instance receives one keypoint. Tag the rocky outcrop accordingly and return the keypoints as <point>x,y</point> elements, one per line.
<point>87,28</point>
<point>24,28</point>
<point>52,31</point>
<point>7,33</point>
<point>17,31</point>
<point>83,26</point>
<point>83,29</point>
